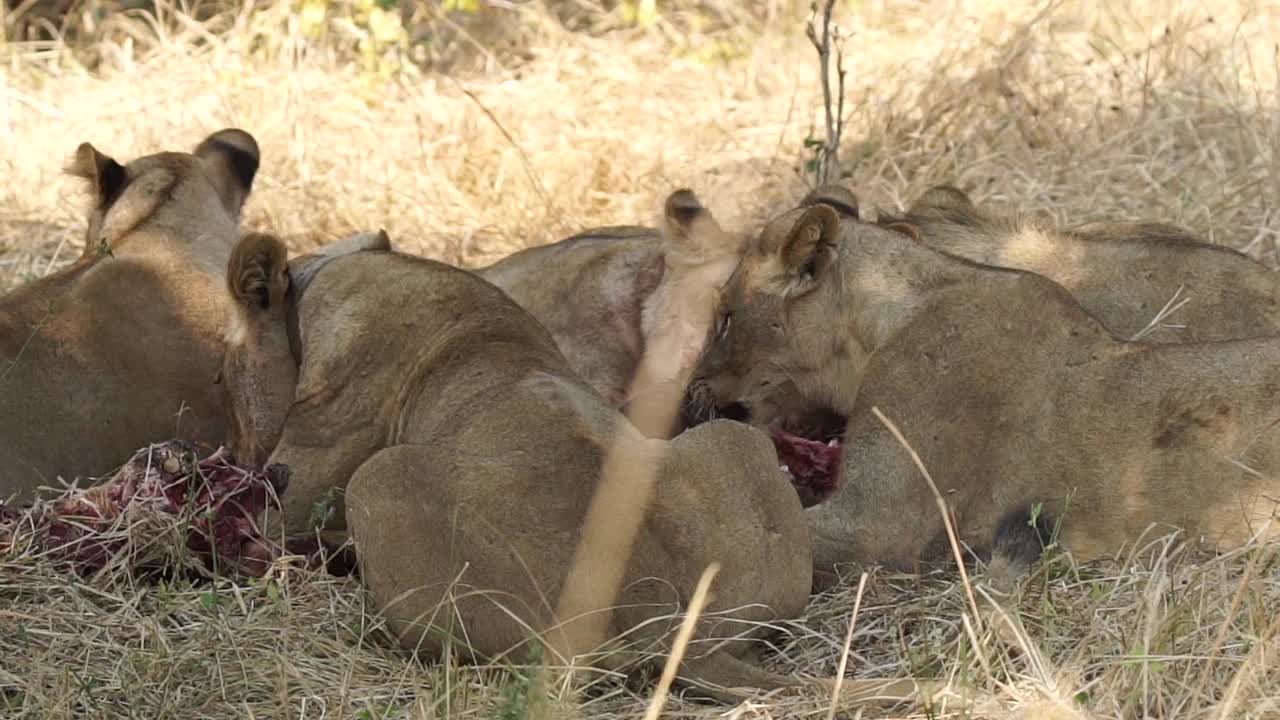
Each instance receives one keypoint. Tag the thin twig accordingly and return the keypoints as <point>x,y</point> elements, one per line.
<point>524,157</point>
<point>834,161</point>
<point>829,157</point>
<point>1175,303</point>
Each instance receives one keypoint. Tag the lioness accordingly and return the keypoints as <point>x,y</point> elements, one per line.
<point>121,348</point>
<point>473,452</point>
<point>1021,403</point>
<point>1143,280</point>
<point>609,295</point>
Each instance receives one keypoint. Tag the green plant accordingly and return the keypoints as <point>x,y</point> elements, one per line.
<point>520,699</point>
<point>323,510</point>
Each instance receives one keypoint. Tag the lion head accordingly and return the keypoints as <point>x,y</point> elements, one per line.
<point>777,355</point>
<point>165,191</point>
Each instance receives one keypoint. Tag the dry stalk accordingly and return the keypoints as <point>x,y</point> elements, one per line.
<point>844,652</point>
<point>524,157</point>
<point>824,40</point>
<point>696,603</point>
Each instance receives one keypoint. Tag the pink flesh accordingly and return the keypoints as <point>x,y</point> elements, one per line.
<point>219,499</point>
<point>813,464</point>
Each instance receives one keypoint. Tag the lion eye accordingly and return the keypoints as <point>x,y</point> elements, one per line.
<point>722,327</point>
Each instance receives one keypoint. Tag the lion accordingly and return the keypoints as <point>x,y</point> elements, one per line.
<point>470,454</point>
<point>1144,280</point>
<point>1029,412</point>
<point>121,347</point>
<point>612,296</point>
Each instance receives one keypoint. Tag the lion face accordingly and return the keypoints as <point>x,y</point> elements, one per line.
<point>770,311</point>
<point>785,353</point>
<point>775,342</point>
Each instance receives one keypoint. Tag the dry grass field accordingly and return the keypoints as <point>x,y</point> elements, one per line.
<point>473,132</point>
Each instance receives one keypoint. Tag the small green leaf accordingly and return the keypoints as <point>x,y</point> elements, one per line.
<point>1097,591</point>
<point>323,510</point>
<point>470,6</point>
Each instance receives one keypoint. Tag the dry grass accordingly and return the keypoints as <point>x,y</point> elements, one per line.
<point>1083,110</point>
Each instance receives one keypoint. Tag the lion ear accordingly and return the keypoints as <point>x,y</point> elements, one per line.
<point>810,247</point>
<point>947,197</point>
<point>231,157</point>
<point>692,232</point>
<point>839,197</point>
<point>683,216</point>
<point>903,227</point>
<point>258,272</point>
<point>105,175</point>
<point>682,208</point>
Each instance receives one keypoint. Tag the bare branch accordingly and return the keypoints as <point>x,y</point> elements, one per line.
<point>822,36</point>
<point>834,161</point>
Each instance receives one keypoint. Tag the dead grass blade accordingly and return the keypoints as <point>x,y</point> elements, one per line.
<point>844,652</point>
<point>696,603</point>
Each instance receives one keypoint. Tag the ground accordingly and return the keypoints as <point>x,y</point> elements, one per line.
<point>492,127</point>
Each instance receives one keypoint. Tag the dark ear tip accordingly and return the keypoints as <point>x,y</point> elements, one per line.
<point>826,214</point>
<point>256,236</point>
<point>946,195</point>
<point>903,227</point>
<point>235,139</point>
<point>264,245</point>
<point>683,206</point>
<point>84,162</point>
<point>239,147</point>
<point>107,176</point>
<point>842,199</point>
